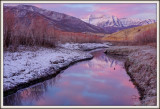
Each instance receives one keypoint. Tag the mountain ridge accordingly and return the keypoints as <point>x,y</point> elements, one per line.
<point>58,20</point>
<point>115,21</point>
<point>93,23</point>
<point>112,23</point>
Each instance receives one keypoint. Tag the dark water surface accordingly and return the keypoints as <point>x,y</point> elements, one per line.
<point>101,81</point>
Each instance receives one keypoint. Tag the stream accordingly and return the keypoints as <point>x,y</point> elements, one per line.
<point>101,81</point>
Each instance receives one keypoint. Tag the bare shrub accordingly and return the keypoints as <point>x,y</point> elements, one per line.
<point>38,32</point>
<point>8,26</point>
<point>147,36</point>
<point>64,37</point>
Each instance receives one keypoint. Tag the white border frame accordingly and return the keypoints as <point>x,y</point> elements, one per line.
<point>2,2</point>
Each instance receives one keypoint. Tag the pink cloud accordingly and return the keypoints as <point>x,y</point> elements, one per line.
<point>138,10</point>
<point>125,10</point>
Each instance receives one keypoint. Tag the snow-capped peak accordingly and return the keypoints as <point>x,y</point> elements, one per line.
<point>102,20</point>
<point>28,7</point>
<point>113,21</point>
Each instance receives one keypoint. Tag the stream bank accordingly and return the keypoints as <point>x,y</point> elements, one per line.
<point>31,65</point>
<point>100,81</point>
<point>141,66</point>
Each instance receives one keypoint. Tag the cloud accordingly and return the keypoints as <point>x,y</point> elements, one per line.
<point>135,10</point>
<point>126,10</point>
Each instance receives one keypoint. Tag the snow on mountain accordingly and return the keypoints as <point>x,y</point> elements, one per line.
<point>57,20</point>
<point>96,23</point>
<point>148,21</point>
<point>51,14</point>
<point>130,21</point>
<point>103,20</point>
<point>112,21</point>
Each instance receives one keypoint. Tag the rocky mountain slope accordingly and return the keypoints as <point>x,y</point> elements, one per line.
<point>113,24</point>
<point>93,23</point>
<point>26,14</point>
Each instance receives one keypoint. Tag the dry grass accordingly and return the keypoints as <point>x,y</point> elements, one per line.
<point>64,37</point>
<point>97,34</point>
<point>143,34</point>
<point>153,45</point>
<point>141,65</point>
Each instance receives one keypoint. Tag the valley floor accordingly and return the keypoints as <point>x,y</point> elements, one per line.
<point>31,64</point>
<point>141,65</point>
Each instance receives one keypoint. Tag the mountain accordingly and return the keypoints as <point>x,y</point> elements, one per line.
<point>103,20</point>
<point>27,13</point>
<point>138,22</point>
<point>113,24</point>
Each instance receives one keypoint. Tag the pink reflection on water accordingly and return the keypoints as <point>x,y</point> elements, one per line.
<point>100,81</point>
<point>104,81</point>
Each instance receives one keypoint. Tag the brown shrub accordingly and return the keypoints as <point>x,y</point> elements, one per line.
<point>39,33</point>
<point>17,33</point>
<point>147,36</point>
<point>64,37</point>
<point>9,21</point>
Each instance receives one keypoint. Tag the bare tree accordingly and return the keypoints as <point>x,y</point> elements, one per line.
<point>8,23</point>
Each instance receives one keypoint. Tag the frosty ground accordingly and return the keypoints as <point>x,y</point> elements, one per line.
<point>30,63</point>
<point>141,65</point>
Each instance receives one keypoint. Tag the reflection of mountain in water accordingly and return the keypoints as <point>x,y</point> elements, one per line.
<point>101,58</point>
<point>76,85</point>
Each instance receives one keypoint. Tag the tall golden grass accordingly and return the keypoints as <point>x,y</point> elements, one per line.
<point>134,36</point>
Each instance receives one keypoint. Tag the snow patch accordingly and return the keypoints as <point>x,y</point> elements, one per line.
<point>85,46</point>
<point>29,63</point>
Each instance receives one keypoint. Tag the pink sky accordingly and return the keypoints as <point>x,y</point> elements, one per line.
<point>121,10</point>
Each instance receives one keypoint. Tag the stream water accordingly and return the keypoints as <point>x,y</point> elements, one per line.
<point>101,81</point>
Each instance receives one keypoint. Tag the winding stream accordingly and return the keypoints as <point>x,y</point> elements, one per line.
<point>101,81</point>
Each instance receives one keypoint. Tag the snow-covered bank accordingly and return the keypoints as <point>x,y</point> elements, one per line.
<point>30,63</point>
<point>141,65</point>
<point>21,67</point>
<point>85,46</point>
